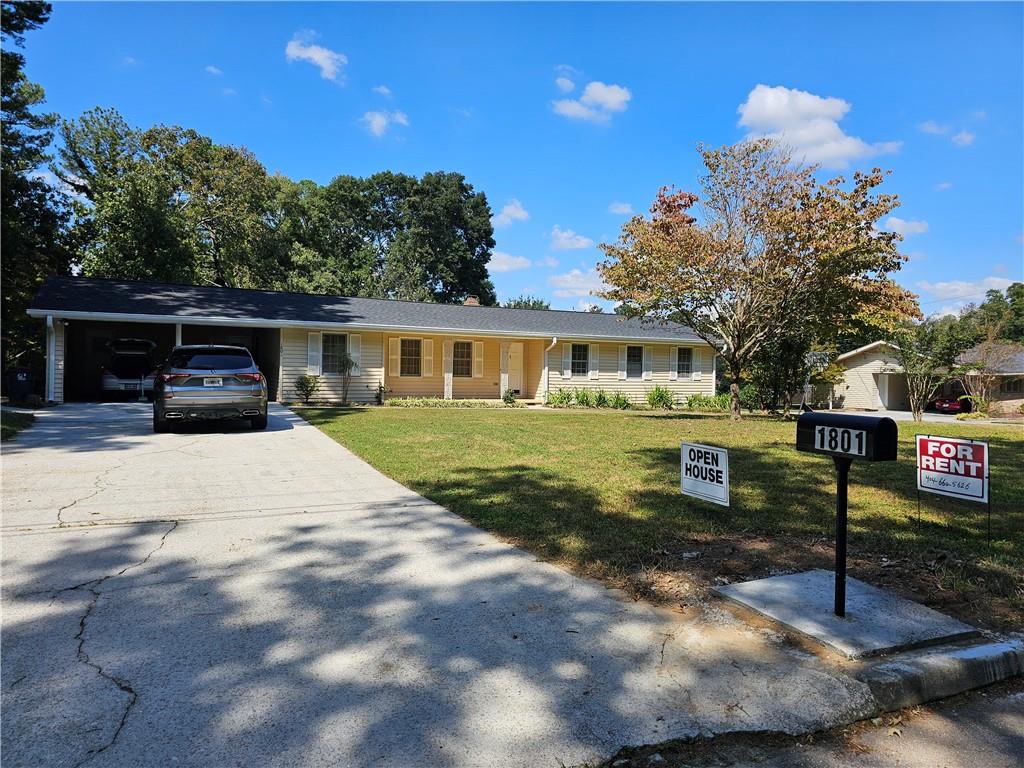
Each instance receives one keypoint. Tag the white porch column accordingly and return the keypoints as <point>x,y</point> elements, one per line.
<point>177,334</point>
<point>504,369</point>
<point>448,354</point>
<point>51,359</point>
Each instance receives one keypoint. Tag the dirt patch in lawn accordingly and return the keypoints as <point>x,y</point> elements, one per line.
<point>683,574</point>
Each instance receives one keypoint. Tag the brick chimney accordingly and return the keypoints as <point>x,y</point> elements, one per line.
<point>472,301</point>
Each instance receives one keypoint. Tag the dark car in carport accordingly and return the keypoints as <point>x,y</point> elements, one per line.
<point>211,381</point>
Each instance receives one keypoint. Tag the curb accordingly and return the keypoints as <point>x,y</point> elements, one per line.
<point>938,673</point>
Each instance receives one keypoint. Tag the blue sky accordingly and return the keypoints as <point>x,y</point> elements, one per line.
<point>570,116</point>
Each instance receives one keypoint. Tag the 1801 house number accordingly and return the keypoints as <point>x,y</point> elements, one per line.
<point>840,440</point>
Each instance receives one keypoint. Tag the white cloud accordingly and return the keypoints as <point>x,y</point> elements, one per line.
<point>963,139</point>
<point>808,124</point>
<point>567,240</point>
<point>383,90</point>
<point>506,262</point>
<point>597,103</point>
<point>512,211</point>
<point>229,92</point>
<point>905,227</point>
<point>942,186</point>
<point>932,127</point>
<point>302,48</point>
<point>576,283</point>
<point>964,289</point>
<point>378,123</point>
<point>586,306</point>
<point>565,84</point>
<point>129,61</point>
<point>212,70</point>
<point>621,209</point>
<point>979,114</point>
<point>549,261</point>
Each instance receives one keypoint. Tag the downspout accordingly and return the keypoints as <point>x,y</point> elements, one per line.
<point>51,359</point>
<point>547,377</point>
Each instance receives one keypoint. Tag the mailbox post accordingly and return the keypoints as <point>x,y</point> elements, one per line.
<point>845,437</point>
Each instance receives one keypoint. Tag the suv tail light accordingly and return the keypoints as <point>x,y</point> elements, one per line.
<point>173,376</point>
<point>250,376</point>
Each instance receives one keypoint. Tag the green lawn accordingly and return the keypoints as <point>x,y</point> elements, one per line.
<point>12,422</point>
<point>598,489</point>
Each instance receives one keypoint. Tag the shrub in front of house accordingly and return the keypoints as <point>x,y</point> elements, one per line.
<point>715,403</point>
<point>440,402</point>
<point>749,398</point>
<point>619,402</point>
<point>660,397</point>
<point>584,398</point>
<point>601,399</point>
<point>560,398</point>
<point>307,386</point>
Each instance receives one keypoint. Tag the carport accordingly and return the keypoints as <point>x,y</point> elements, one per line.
<point>78,335</point>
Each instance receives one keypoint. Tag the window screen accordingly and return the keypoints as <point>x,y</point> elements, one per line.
<point>335,346</point>
<point>684,363</point>
<point>634,362</point>
<point>462,359</point>
<point>411,359</point>
<point>580,359</point>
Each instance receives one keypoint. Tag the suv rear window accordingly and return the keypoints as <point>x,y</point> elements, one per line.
<point>211,359</point>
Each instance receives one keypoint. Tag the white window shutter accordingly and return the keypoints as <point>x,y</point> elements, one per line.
<point>313,353</point>
<point>648,367</point>
<point>566,361</point>
<point>355,351</point>
<point>695,364</point>
<point>622,362</point>
<point>394,356</point>
<point>478,359</point>
<point>427,352</point>
<point>594,359</point>
<point>673,364</point>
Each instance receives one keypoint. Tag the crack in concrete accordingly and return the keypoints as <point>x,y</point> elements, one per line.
<point>99,482</point>
<point>123,685</point>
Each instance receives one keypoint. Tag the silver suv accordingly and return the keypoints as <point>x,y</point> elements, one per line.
<point>209,381</point>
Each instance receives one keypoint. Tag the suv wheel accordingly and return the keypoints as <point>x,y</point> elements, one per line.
<point>258,422</point>
<point>160,425</point>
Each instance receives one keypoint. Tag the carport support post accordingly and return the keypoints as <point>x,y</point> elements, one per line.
<point>177,334</point>
<point>842,482</point>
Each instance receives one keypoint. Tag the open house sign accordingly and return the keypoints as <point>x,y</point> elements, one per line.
<point>704,472</point>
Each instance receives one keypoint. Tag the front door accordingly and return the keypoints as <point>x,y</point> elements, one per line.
<point>515,367</point>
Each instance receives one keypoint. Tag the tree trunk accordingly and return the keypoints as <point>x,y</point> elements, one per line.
<point>734,392</point>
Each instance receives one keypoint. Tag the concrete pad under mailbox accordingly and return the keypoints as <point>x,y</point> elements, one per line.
<point>876,621</point>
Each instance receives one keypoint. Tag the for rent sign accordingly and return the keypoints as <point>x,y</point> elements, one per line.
<point>953,467</point>
<point>704,472</point>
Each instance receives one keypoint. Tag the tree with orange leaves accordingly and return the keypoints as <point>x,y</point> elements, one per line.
<point>764,250</point>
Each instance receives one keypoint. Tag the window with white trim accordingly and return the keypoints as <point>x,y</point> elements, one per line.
<point>335,346</point>
<point>411,360</point>
<point>684,361</point>
<point>580,359</point>
<point>462,359</point>
<point>634,362</point>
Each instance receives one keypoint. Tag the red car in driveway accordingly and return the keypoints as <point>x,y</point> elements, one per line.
<point>951,405</point>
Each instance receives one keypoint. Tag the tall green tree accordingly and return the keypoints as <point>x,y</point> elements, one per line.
<point>927,353</point>
<point>527,302</point>
<point>33,214</point>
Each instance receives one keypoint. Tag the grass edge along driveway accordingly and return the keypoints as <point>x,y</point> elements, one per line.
<point>598,492</point>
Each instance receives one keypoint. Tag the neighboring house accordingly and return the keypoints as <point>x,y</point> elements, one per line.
<point>409,348</point>
<point>1005,361</point>
<point>873,379</point>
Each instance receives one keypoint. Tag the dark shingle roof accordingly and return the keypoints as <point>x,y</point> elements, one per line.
<point>999,357</point>
<point>190,303</point>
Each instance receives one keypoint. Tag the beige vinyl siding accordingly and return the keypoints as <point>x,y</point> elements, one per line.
<point>859,388</point>
<point>58,347</point>
<point>488,386</point>
<point>416,386</point>
<point>662,357</point>
<point>294,363</point>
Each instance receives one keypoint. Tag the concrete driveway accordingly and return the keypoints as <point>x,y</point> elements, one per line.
<point>226,597</point>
